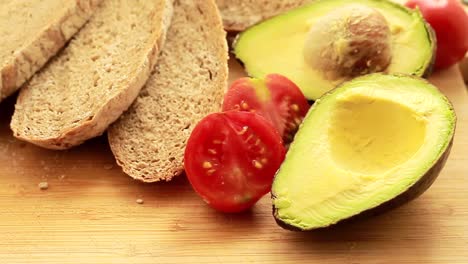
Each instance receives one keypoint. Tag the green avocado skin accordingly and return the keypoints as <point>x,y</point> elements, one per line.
<point>428,68</point>
<point>412,193</point>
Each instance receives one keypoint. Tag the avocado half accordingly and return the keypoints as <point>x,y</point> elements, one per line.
<point>367,146</point>
<point>276,45</point>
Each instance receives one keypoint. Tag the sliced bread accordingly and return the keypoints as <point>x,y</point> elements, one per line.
<point>32,31</point>
<point>241,14</point>
<point>96,77</point>
<point>188,82</point>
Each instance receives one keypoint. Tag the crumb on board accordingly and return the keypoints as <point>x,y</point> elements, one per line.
<point>140,201</point>
<point>108,166</point>
<point>43,185</point>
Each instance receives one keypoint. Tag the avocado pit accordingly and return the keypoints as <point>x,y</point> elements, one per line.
<point>350,41</point>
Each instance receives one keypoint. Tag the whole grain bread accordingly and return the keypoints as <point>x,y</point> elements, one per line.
<point>241,14</point>
<point>32,31</point>
<point>96,77</point>
<point>189,81</point>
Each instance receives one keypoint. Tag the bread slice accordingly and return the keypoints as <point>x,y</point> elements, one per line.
<point>96,78</point>
<point>241,14</point>
<point>188,82</point>
<point>32,31</point>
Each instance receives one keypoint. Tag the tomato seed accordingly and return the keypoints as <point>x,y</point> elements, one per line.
<point>244,105</point>
<point>249,138</point>
<point>295,107</point>
<point>244,129</point>
<point>257,164</point>
<point>297,120</point>
<point>212,151</point>
<point>207,165</point>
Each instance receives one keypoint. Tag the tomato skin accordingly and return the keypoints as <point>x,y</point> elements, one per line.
<point>231,159</point>
<point>275,97</point>
<point>450,23</point>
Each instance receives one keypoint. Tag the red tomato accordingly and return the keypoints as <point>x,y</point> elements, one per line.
<point>450,23</point>
<point>276,98</point>
<point>231,159</point>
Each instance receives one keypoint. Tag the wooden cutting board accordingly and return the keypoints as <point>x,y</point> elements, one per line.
<point>89,213</point>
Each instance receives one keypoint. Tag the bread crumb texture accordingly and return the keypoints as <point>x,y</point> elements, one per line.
<point>188,83</point>
<point>241,14</point>
<point>31,34</point>
<point>96,77</point>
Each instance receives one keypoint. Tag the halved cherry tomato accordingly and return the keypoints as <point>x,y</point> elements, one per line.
<point>450,23</point>
<point>231,159</point>
<point>276,98</point>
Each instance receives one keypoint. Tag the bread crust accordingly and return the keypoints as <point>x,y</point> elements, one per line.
<point>238,15</point>
<point>32,55</point>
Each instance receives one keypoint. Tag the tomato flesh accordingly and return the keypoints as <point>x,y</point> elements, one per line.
<point>450,23</point>
<point>291,103</point>
<point>276,98</point>
<point>231,159</point>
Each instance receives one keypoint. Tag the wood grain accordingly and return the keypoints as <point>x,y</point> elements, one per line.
<point>464,68</point>
<point>89,213</point>
<point>464,62</point>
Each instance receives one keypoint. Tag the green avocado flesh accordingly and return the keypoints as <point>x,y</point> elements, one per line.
<point>276,45</point>
<point>361,145</point>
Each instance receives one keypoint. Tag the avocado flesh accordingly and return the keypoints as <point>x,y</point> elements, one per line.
<point>276,45</point>
<point>362,145</point>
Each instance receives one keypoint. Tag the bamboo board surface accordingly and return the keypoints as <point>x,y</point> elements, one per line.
<point>89,213</point>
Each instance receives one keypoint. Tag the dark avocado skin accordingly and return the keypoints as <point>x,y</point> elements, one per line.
<point>412,193</point>
<point>432,36</point>
<point>231,37</point>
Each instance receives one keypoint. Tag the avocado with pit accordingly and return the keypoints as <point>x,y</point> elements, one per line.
<point>327,42</point>
<point>369,145</point>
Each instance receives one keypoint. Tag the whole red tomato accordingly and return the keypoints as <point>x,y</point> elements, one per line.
<point>450,23</point>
